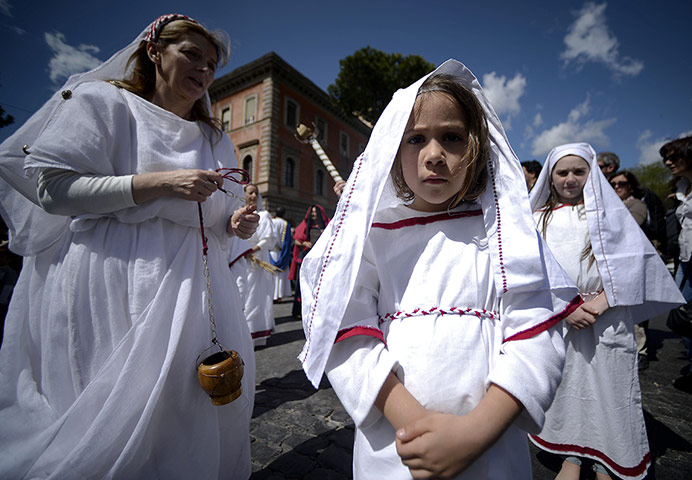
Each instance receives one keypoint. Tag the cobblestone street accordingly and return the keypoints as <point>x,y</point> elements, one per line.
<point>302,433</point>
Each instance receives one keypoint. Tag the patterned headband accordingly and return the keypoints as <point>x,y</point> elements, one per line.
<point>158,24</point>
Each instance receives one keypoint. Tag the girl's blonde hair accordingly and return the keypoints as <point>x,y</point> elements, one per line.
<point>477,144</point>
<point>142,80</point>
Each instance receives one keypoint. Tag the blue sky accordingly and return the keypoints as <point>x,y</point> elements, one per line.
<point>616,73</point>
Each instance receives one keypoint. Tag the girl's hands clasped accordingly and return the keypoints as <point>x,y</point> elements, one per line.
<point>588,312</point>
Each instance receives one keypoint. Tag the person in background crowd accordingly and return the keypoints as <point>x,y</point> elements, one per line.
<point>281,254</point>
<point>627,187</point>
<point>609,163</point>
<point>306,234</point>
<point>532,169</point>
<point>255,282</point>
<point>677,156</point>
<point>97,376</point>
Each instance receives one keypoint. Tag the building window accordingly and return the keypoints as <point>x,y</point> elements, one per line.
<point>250,109</point>
<point>289,171</point>
<point>343,143</point>
<point>292,113</point>
<point>226,119</point>
<point>319,182</point>
<point>321,125</point>
<point>247,165</point>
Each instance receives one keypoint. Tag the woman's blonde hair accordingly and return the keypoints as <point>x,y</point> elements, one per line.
<point>142,80</point>
<point>477,144</point>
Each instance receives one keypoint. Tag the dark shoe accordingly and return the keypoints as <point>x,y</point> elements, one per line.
<point>642,363</point>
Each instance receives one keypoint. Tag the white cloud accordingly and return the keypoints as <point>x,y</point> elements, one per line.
<point>5,8</point>
<point>504,94</point>
<point>574,129</point>
<point>67,59</point>
<point>590,40</point>
<point>649,148</point>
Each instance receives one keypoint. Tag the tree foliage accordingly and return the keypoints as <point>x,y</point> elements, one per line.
<point>369,77</point>
<point>656,177</point>
<point>5,118</point>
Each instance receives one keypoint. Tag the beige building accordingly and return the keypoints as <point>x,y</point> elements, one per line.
<point>259,105</point>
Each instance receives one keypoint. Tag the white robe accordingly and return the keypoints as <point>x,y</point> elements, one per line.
<point>597,412</point>
<point>256,285</point>
<point>282,285</point>
<point>98,366</point>
<point>425,287</point>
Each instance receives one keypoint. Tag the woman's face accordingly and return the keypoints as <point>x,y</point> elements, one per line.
<point>569,177</point>
<point>184,72</point>
<point>313,214</point>
<point>677,165</point>
<point>621,186</point>
<point>251,195</point>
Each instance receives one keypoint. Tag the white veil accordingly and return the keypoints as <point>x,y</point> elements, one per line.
<point>632,272</point>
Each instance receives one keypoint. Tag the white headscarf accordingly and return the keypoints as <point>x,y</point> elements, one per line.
<point>516,248</point>
<point>631,270</point>
<point>31,229</point>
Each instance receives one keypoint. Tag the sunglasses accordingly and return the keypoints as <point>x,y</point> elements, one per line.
<point>619,184</point>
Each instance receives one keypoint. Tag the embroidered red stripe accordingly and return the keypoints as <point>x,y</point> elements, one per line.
<point>588,451</point>
<point>410,222</point>
<point>542,327</point>
<point>360,330</point>
<point>261,334</point>
<point>438,311</point>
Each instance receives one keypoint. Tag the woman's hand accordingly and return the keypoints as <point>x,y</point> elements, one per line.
<point>193,185</point>
<point>243,222</point>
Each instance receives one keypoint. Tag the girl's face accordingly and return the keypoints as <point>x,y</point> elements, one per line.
<point>621,186</point>
<point>569,177</point>
<point>432,151</point>
<point>251,195</point>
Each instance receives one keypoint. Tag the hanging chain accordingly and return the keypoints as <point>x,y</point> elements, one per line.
<point>207,276</point>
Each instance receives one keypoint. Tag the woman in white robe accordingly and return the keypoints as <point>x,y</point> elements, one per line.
<point>98,367</point>
<point>256,283</point>
<point>597,412</point>
<point>441,306</point>
<point>281,255</point>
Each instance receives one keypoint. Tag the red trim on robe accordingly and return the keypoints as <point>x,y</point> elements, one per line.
<point>542,327</point>
<point>360,330</point>
<point>249,250</point>
<point>409,222</point>
<point>575,449</point>
<point>261,334</point>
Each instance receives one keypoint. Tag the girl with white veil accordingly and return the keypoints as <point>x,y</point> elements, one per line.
<point>597,412</point>
<point>429,300</point>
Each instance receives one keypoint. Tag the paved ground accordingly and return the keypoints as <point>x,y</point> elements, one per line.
<point>299,432</point>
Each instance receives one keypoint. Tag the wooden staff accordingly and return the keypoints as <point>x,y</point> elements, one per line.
<point>306,134</point>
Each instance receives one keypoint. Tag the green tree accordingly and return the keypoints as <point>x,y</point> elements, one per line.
<point>5,118</point>
<point>369,77</point>
<point>656,177</point>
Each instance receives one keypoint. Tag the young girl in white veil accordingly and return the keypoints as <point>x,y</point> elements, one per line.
<point>429,300</point>
<point>597,411</point>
